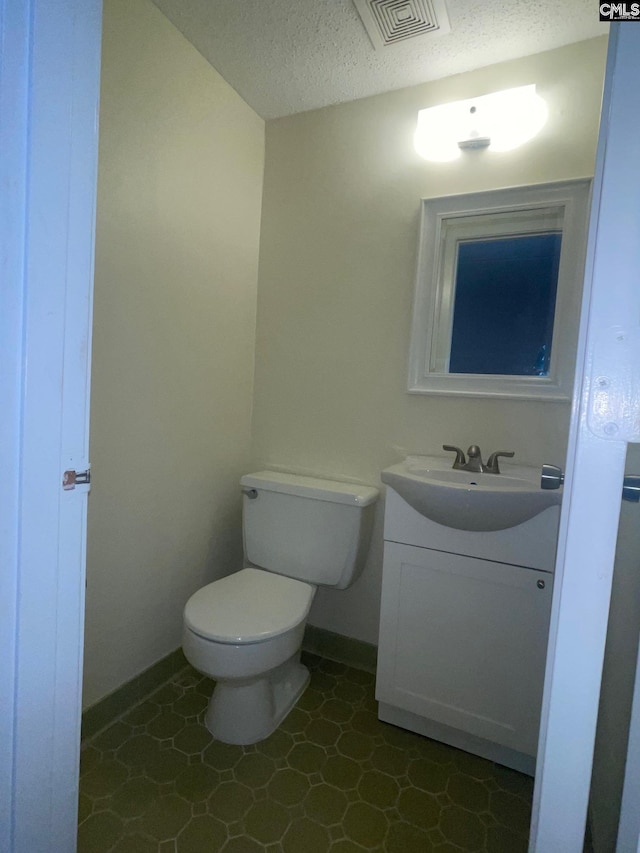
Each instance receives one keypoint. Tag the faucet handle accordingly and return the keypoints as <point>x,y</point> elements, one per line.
<point>459,460</point>
<point>492,466</point>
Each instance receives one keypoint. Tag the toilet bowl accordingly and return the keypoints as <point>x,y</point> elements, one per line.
<point>245,630</point>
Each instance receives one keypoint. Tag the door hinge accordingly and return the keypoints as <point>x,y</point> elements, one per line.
<point>72,478</point>
<point>614,387</point>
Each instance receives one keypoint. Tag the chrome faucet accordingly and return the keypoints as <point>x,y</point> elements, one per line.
<point>474,462</point>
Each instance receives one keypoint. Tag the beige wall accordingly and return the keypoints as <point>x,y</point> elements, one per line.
<point>337,261</point>
<point>180,184</point>
<point>181,164</point>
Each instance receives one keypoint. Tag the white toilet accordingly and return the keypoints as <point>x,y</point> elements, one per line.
<point>245,630</point>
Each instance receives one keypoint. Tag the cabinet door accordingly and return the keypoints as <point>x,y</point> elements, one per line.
<point>463,642</point>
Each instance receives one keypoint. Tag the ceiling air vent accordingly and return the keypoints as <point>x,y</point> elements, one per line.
<point>391,22</point>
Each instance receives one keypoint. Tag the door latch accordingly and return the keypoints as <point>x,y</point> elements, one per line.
<point>72,478</point>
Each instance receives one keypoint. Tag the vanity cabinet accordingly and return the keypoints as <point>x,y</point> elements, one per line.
<point>463,637</point>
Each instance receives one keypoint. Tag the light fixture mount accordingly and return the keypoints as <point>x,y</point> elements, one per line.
<point>474,142</point>
<point>500,121</point>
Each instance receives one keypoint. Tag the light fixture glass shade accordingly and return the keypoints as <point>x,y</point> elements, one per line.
<point>500,121</point>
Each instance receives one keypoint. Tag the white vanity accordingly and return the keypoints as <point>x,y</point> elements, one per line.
<point>465,617</point>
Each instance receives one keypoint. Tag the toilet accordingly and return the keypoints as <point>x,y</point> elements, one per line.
<point>245,630</point>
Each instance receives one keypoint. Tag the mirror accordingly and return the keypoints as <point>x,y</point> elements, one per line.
<point>498,290</point>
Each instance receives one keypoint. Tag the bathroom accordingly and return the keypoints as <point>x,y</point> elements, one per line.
<point>252,305</point>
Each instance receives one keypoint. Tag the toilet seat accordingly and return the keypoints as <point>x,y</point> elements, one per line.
<point>249,606</point>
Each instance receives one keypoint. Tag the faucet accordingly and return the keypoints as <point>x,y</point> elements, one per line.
<point>460,460</point>
<point>492,462</point>
<point>474,462</point>
<point>461,464</point>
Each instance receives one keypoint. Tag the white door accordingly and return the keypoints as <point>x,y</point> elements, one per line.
<point>49,86</point>
<point>606,415</point>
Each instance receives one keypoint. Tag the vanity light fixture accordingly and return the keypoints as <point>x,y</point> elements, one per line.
<point>500,122</point>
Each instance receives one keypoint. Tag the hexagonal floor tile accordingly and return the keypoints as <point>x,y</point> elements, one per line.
<point>462,828</point>
<point>276,745</point>
<point>192,739</point>
<point>355,745</point>
<point>419,808</point>
<point>165,765</point>
<point>242,845</point>
<point>325,804</point>
<point>165,725</point>
<point>222,756</point>
<point>230,801</point>
<point>288,787</point>
<point>134,797</point>
<point>307,758</point>
<point>166,817</point>
<point>378,789</point>
<point>196,782</point>
<point>266,821</point>
<point>99,832</point>
<point>429,776</point>
<point>254,769</point>
<point>104,779</point>
<point>322,732</point>
<point>390,759</point>
<point>332,778</point>
<point>337,710</point>
<point>191,704</point>
<point>405,838</point>
<point>137,750</point>
<point>365,824</point>
<point>135,844</point>
<point>305,835</point>
<point>342,772</point>
<point>200,834</point>
<point>468,792</point>
<point>511,810</point>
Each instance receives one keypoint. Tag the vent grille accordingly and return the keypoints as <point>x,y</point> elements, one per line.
<point>391,22</point>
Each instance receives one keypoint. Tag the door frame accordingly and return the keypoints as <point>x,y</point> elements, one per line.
<point>604,419</point>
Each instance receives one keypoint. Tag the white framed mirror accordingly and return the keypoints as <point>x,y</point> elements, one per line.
<point>498,287</point>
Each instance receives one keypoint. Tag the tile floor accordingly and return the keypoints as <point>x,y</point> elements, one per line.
<point>331,778</point>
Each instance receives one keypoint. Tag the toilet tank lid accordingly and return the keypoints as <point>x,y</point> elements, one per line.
<point>311,487</point>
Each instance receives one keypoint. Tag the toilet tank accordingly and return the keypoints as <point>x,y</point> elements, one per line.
<point>307,528</point>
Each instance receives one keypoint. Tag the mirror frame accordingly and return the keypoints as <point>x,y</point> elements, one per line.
<point>435,288</point>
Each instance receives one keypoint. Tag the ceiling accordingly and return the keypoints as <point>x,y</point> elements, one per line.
<point>288,56</point>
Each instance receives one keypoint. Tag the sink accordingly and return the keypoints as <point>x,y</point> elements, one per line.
<point>466,500</point>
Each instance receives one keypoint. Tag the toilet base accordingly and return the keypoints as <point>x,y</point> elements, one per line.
<point>248,711</point>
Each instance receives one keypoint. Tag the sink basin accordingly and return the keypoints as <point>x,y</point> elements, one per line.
<point>466,500</point>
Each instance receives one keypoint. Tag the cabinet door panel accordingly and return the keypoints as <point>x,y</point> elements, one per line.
<point>463,642</point>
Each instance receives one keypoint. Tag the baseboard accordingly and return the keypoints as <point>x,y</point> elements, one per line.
<point>112,706</point>
<point>336,647</point>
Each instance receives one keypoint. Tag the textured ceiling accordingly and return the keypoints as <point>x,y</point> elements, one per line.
<point>287,56</point>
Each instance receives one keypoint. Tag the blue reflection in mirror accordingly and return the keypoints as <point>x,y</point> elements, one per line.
<point>504,305</point>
